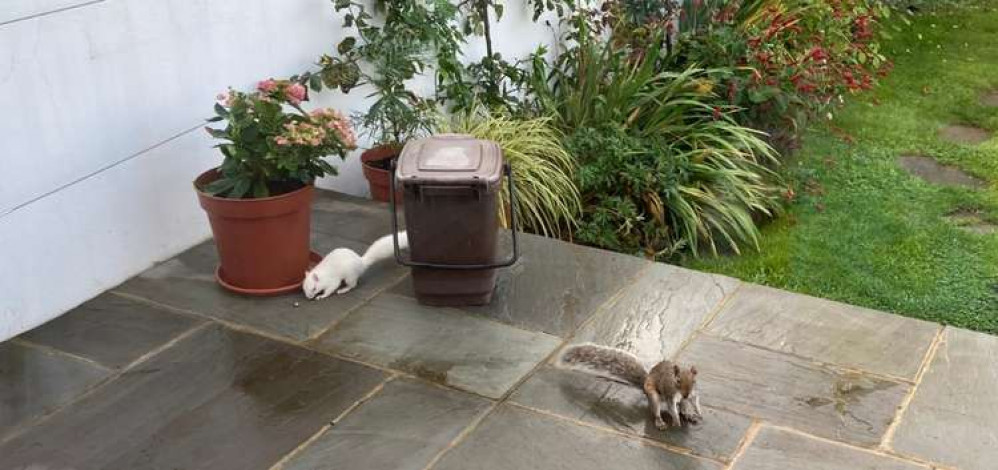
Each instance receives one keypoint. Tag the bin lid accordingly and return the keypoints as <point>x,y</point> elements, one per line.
<point>451,159</point>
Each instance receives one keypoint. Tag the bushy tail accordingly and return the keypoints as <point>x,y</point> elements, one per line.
<point>384,248</point>
<point>609,363</point>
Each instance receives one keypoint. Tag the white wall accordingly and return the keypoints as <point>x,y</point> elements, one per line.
<point>101,108</point>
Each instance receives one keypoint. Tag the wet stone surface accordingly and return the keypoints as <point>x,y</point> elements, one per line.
<point>555,286</point>
<point>112,330</point>
<point>775,449</point>
<point>658,312</point>
<point>516,439</point>
<point>952,418</point>
<point>401,428</point>
<point>443,345</point>
<point>785,390</point>
<point>187,282</point>
<point>929,170</point>
<point>215,400</point>
<point>604,403</point>
<point>34,382</point>
<point>962,134</point>
<point>826,331</point>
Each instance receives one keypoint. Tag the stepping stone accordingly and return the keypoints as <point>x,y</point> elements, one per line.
<point>970,220</point>
<point>582,397</point>
<point>440,344</point>
<point>516,439</point>
<point>187,282</point>
<point>111,330</point>
<point>825,331</point>
<point>990,98</point>
<point>961,134</point>
<point>216,400</point>
<point>403,427</point>
<point>776,449</point>
<point>655,315</point>
<point>789,391</point>
<point>555,286</point>
<point>34,382</point>
<point>930,170</point>
<point>953,418</point>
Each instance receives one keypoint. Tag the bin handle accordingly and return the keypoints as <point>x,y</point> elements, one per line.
<point>457,267</point>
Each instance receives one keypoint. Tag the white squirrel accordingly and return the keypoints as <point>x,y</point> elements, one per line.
<point>343,267</point>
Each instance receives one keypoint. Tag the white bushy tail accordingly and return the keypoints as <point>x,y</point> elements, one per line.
<point>384,248</point>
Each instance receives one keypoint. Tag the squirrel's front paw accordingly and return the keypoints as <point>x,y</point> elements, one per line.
<point>692,418</point>
<point>660,424</point>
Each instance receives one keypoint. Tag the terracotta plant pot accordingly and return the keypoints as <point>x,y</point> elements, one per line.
<point>376,162</point>
<point>263,244</point>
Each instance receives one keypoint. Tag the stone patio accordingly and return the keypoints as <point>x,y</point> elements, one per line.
<point>167,371</point>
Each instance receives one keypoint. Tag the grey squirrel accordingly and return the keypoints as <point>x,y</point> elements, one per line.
<point>340,270</point>
<point>666,382</point>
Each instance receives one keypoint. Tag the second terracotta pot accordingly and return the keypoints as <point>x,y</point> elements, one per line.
<point>376,163</point>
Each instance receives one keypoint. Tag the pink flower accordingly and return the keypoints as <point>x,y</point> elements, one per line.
<point>281,141</point>
<point>267,86</point>
<point>295,93</point>
<point>222,97</point>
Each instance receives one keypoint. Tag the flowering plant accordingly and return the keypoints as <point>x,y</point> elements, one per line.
<point>793,58</point>
<point>270,144</point>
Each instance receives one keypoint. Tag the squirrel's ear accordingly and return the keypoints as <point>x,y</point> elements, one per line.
<point>693,370</point>
<point>676,369</point>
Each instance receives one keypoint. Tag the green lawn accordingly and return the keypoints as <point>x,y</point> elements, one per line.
<point>863,231</point>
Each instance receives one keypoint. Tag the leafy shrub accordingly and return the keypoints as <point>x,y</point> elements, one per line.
<point>547,199</point>
<point>796,58</point>
<point>662,167</point>
<point>269,150</point>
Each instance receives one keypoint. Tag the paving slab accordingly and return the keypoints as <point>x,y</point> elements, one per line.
<point>604,403</point>
<point>785,390</point>
<point>964,134</point>
<point>402,428</point>
<point>443,345</point>
<point>953,417</point>
<point>776,449</point>
<point>215,400</point>
<point>358,220</point>
<point>929,170</point>
<point>516,439</point>
<point>111,330</point>
<point>187,282</point>
<point>826,331</point>
<point>555,286</point>
<point>658,312</point>
<point>34,382</point>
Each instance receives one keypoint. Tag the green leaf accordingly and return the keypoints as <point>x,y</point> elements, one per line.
<point>241,187</point>
<point>348,20</point>
<point>221,110</point>
<point>219,186</point>
<point>346,45</point>
<point>315,82</point>
<point>214,119</point>
<point>260,190</point>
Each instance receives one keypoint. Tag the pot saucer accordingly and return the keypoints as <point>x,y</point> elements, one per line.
<point>314,259</point>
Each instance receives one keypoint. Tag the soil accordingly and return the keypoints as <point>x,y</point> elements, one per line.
<point>961,134</point>
<point>930,170</point>
<point>990,98</point>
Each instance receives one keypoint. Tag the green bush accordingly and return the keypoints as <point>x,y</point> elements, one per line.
<point>662,167</point>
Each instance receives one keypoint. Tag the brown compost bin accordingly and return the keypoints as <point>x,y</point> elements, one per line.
<point>450,184</point>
